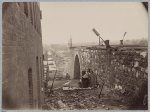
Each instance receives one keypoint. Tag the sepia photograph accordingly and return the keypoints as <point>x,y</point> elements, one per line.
<point>75,55</point>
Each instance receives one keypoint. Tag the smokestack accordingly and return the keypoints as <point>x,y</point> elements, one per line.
<point>121,42</point>
<point>107,43</point>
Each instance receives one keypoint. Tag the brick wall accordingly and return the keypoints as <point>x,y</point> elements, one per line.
<point>21,44</point>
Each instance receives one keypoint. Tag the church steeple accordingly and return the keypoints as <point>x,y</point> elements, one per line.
<point>70,42</point>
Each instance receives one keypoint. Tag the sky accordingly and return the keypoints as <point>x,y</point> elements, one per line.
<point>64,20</point>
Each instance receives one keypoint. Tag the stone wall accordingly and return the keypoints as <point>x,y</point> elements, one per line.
<point>21,56</point>
<point>122,68</point>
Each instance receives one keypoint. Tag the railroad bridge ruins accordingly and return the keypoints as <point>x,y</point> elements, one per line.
<point>119,66</point>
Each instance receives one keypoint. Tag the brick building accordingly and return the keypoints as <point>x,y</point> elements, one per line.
<point>22,56</point>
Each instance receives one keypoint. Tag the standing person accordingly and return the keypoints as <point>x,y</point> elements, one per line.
<point>89,73</point>
<point>84,79</point>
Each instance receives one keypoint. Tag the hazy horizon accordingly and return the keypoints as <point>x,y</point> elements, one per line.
<point>64,20</point>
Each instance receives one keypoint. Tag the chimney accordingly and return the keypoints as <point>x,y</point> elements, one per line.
<point>107,43</point>
<point>121,42</point>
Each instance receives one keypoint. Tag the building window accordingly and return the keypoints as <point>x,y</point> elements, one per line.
<point>31,13</point>
<point>40,14</point>
<point>26,9</point>
<point>30,87</point>
<point>19,4</point>
<point>38,80</point>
